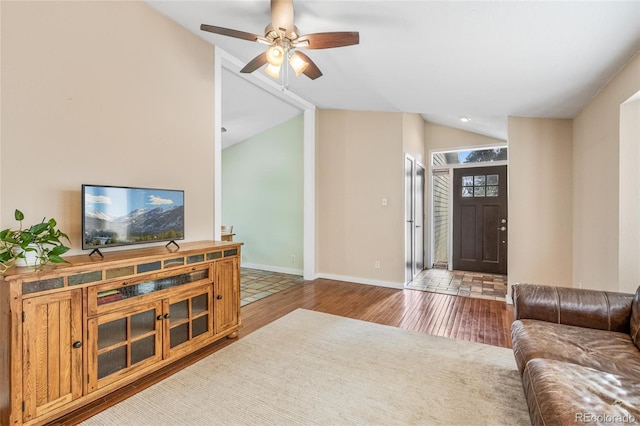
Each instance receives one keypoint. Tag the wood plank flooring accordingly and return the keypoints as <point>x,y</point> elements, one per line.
<point>464,318</point>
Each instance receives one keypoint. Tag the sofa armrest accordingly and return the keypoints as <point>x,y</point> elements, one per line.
<point>601,310</point>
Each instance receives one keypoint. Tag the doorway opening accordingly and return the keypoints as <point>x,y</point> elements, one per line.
<point>272,272</point>
<point>467,244</point>
<point>415,179</point>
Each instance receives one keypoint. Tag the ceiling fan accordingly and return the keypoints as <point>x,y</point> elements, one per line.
<point>284,40</point>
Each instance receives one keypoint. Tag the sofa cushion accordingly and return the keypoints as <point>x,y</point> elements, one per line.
<point>635,319</point>
<point>608,351</point>
<point>560,393</point>
<point>603,310</point>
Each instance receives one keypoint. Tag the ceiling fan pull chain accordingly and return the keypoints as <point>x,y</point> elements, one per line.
<point>285,64</point>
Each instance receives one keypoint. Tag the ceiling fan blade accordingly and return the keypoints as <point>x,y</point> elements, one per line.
<point>328,40</point>
<point>255,63</point>
<point>282,15</point>
<point>230,33</point>
<point>312,71</point>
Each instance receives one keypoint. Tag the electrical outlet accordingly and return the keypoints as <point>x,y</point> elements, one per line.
<point>377,264</point>
<point>293,258</point>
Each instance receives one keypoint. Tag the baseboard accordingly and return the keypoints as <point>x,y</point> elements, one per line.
<point>269,268</point>
<point>359,280</point>
<point>292,271</point>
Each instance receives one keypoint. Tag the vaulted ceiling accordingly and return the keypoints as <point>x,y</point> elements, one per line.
<point>485,60</point>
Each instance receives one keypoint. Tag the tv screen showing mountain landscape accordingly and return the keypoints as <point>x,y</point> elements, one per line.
<point>116,216</point>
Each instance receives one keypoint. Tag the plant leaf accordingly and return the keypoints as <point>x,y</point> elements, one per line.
<point>19,215</point>
<point>56,259</point>
<point>58,250</point>
<point>25,238</point>
<point>7,255</point>
<point>38,228</point>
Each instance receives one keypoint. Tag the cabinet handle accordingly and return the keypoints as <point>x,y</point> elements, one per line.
<point>77,344</point>
<point>159,317</point>
<point>167,316</point>
<point>219,297</point>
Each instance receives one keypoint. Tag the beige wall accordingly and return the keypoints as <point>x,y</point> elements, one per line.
<point>103,93</point>
<point>1,120</point>
<point>439,138</point>
<point>413,136</point>
<point>629,245</point>
<point>596,176</point>
<point>540,212</point>
<point>359,161</point>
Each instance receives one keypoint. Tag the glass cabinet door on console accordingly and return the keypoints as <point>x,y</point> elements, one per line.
<point>188,319</point>
<point>52,352</point>
<point>140,322</point>
<point>124,341</point>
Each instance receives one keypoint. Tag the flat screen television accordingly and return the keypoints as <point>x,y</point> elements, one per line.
<point>118,216</point>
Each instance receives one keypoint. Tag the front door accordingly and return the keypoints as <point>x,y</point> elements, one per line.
<point>480,219</point>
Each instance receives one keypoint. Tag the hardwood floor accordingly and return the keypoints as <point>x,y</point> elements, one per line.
<point>464,318</point>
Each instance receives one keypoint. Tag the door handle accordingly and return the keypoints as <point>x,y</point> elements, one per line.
<point>418,226</point>
<point>409,221</point>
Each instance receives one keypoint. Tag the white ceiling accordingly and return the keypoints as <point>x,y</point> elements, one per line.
<point>443,59</point>
<point>248,110</point>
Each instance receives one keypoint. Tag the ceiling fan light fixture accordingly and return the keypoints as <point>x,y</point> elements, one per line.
<point>298,64</point>
<point>273,71</point>
<point>282,36</point>
<point>275,55</point>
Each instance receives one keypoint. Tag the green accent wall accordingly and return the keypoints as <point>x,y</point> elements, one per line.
<point>262,196</point>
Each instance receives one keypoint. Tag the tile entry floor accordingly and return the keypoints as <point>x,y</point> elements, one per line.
<point>461,283</point>
<point>256,284</point>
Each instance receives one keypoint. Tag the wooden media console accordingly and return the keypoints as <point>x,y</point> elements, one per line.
<point>73,333</point>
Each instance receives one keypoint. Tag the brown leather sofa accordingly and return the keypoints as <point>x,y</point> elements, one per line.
<point>578,354</point>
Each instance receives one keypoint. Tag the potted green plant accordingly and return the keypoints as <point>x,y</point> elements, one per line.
<point>34,246</point>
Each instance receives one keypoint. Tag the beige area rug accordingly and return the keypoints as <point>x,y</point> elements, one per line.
<point>310,368</point>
